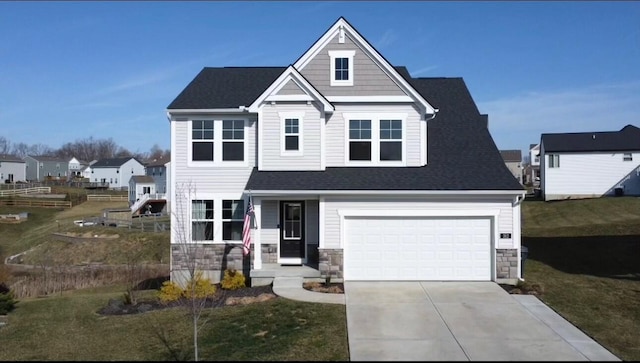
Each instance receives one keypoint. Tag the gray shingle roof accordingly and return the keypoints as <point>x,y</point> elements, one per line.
<point>48,158</point>
<point>461,154</point>
<point>227,87</point>
<point>10,158</point>
<point>142,179</point>
<point>111,163</point>
<point>627,139</point>
<point>511,155</point>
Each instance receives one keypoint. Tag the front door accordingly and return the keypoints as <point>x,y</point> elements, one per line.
<point>292,244</point>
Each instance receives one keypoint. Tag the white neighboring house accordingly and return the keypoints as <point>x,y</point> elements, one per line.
<point>532,171</point>
<point>116,172</point>
<point>355,169</point>
<point>590,164</point>
<point>76,167</point>
<point>12,169</point>
<point>86,171</point>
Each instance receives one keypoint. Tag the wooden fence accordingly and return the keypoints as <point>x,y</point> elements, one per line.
<point>35,203</point>
<point>36,190</point>
<point>107,197</point>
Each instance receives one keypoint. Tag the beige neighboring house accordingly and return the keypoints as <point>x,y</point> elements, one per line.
<point>513,160</point>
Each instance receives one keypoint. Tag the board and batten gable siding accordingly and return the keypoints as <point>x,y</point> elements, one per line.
<point>591,174</point>
<point>209,179</point>
<point>332,233</point>
<point>272,137</point>
<point>291,88</point>
<point>336,124</point>
<point>368,78</point>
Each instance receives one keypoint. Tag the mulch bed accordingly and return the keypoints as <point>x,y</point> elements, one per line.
<point>331,288</point>
<point>523,289</point>
<point>221,298</point>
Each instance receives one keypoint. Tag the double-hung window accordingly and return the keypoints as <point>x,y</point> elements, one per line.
<point>291,134</point>
<point>233,140</point>
<point>360,140</point>
<point>202,220</point>
<point>554,160</point>
<point>232,219</point>
<point>341,67</point>
<point>202,140</point>
<point>390,140</point>
<point>218,142</point>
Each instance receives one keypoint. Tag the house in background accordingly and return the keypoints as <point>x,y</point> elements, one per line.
<point>12,169</point>
<point>355,169</point>
<point>76,167</point>
<point>116,172</point>
<point>157,170</point>
<point>41,168</point>
<point>86,170</point>
<point>144,197</point>
<point>532,170</point>
<point>513,161</point>
<point>590,164</point>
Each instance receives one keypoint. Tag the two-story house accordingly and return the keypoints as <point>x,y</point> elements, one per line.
<point>12,169</point>
<point>41,168</point>
<point>353,167</point>
<point>513,161</point>
<point>116,171</point>
<point>590,164</point>
<point>76,167</point>
<point>532,170</point>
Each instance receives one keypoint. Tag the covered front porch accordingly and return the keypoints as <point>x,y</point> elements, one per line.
<point>286,232</point>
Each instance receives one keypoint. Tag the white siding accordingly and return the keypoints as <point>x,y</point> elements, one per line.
<point>272,138</point>
<point>368,78</point>
<point>332,232</point>
<point>590,175</point>
<point>17,169</point>
<point>335,131</point>
<point>211,182</point>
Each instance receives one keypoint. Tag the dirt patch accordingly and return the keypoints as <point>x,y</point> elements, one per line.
<point>331,288</point>
<point>523,289</point>
<point>247,295</point>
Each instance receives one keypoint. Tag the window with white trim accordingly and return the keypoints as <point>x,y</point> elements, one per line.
<point>554,161</point>
<point>341,64</point>
<point>390,140</point>
<point>219,142</point>
<point>291,134</point>
<point>233,140</point>
<point>232,219</point>
<point>627,157</point>
<point>202,220</point>
<point>360,140</point>
<point>202,133</point>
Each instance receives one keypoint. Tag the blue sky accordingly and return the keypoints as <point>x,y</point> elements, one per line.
<point>70,70</point>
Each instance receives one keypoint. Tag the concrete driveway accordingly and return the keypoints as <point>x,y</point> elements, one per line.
<point>458,321</point>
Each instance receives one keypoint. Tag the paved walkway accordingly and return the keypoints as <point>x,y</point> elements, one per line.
<point>462,321</point>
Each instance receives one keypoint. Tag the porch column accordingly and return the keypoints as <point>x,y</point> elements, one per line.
<point>257,245</point>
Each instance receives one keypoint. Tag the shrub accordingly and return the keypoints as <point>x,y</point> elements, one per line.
<point>232,280</point>
<point>198,287</point>
<point>7,303</point>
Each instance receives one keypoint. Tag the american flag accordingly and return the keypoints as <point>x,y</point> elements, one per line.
<point>246,229</point>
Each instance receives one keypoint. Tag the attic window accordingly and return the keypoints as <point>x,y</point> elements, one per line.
<point>627,157</point>
<point>341,62</point>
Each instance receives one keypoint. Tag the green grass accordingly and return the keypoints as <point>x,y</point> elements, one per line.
<point>275,330</point>
<point>585,254</point>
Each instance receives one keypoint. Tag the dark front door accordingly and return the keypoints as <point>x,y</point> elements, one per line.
<point>292,231</point>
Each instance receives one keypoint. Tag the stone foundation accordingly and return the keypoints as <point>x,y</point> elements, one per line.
<point>331,263</point>
<point>211,259</point>
<point>507,264</point>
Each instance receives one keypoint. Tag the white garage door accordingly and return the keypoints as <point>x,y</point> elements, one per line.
<point>421,248</point>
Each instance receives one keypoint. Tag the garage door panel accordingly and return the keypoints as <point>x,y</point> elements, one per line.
<point>397,248</point>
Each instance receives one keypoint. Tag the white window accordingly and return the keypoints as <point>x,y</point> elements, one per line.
<point>554,160</point>
<point>375,139</point>
<point>341,67</point>
<point>219,142</point>
<point>627,157</point>
<point>232,219</point>
<point>202,220</point>
<point>291,133</point>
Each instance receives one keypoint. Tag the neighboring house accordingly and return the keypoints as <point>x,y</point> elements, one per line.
<point>158,171</point>
<point>144,197</point>
<point>513,161</point>
<point>590,164</point>
<point>41,168</point>
<point>532,170</point>
<point>76,167</point>
<point>116,172</point>
<point>12,169</point>
<point>355,169</point>
<point>86,171</point>
<point>168,193</point>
